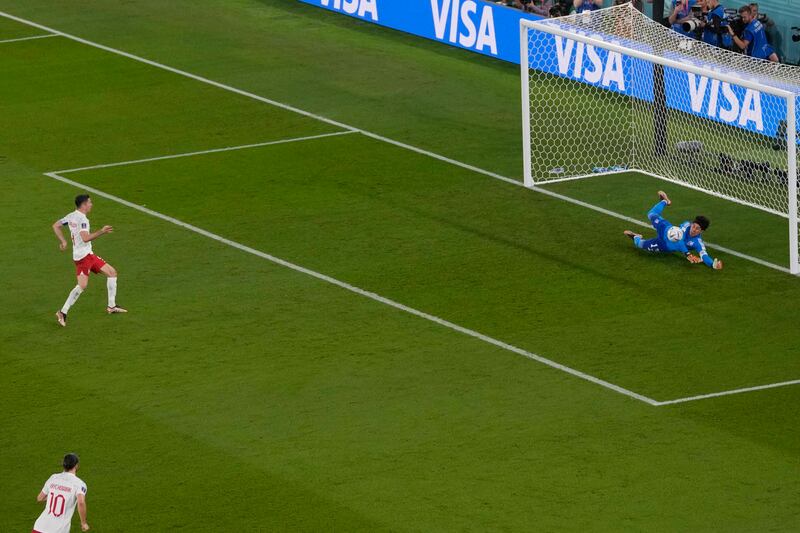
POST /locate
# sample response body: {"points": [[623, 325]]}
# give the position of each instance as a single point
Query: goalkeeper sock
{"points": [[637, 241], [74, 294], [657, 209]]}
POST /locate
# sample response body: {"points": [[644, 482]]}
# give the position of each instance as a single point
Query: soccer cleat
{"points": [[62, 319], [115, 309], [663, 196], [628, 233]]}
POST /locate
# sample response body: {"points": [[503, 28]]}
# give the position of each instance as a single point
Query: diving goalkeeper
{"points": [[670, 239]]}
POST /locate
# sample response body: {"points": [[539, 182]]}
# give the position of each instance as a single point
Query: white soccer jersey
{"points": [[77, 223], [62, 496]]}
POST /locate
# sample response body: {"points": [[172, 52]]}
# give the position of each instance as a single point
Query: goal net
{"points": [[612, 91]]}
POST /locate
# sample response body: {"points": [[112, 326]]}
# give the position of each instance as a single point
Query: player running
{"points": [[671, 238], [85, 260], [63, 492]]}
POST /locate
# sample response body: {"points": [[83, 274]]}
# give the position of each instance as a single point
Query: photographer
{"points": [[715, 24], [586, 5], [765, 21], [754, 38], [768, 23], [681, 13]]}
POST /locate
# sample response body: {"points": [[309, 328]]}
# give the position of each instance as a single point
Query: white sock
{"points": [[74, 294], [111, 283]]}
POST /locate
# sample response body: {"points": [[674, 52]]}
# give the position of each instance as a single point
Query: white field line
{"points": [[18, 39], [176, 71], [203, 152], [729, 392], [364, 132], [750, 258], [401, 145], [361, 292]]}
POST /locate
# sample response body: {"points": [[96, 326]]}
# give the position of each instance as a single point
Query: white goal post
{"points": [[612, 91]]}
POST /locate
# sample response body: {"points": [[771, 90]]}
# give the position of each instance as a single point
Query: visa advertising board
{"points": [[493, 30]]}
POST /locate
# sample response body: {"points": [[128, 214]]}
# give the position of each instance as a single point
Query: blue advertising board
{"points": [[482, 27], [493, 30]]}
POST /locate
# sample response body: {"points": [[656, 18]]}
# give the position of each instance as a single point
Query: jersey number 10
{"points": [[56, 504]]}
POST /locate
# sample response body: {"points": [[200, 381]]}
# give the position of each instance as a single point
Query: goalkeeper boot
{"points": [[637, 239], [663, 196]]}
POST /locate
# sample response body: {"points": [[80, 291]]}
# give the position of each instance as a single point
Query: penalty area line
{"points": [[31, 38], [203, 152], [729, 392], [367, 294]]}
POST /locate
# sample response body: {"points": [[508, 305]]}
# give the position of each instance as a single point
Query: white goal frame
{"points": [[526, 26]]}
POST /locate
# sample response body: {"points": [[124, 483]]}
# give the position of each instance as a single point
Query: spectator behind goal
{"points": [[682, 12], [586, 5], [537, 7]]}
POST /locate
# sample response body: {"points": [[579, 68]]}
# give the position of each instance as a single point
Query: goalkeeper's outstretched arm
{"points": [[709, 261]]}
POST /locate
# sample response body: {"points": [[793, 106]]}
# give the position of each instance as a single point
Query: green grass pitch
{"points": [[238, 394]]}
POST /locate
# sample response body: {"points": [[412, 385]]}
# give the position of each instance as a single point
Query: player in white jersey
{"points": [[63, 492], [85, 260]]}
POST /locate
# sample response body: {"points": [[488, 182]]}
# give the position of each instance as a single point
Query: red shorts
{"points": [[90, 263]]}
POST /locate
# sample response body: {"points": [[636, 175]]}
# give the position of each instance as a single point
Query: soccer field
{"points": [[345, 313]]}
